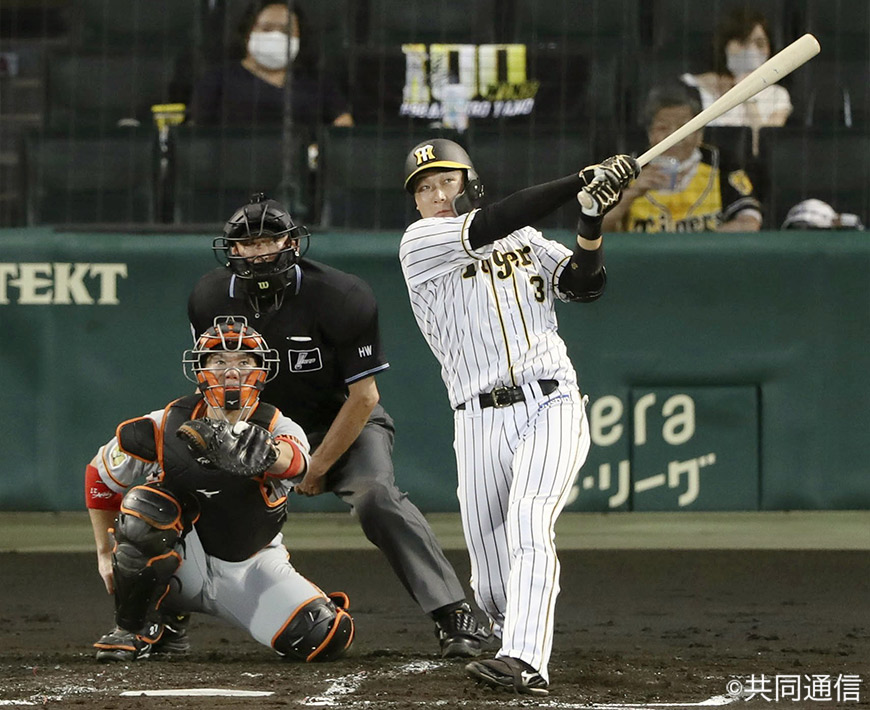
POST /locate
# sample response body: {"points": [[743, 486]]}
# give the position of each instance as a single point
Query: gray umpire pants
{"points": [[364, 479]]}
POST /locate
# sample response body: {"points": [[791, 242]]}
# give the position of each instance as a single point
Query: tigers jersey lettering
{"points": [[715, 193], [487, 314]]}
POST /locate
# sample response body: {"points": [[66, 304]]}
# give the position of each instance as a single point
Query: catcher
{"points": [[203, 532]]}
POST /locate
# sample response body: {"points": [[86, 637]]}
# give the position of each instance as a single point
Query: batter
{"points": [[483, 287]]}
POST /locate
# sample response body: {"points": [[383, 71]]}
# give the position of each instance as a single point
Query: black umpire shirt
{"points": [[325, 331]]}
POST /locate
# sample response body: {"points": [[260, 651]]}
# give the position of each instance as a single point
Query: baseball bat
{"points": [[778, 66]]}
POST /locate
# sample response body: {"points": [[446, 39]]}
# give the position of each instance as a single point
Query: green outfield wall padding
{"points": [[723, 371]]}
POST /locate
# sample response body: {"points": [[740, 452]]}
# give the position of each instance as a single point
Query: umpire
{"points": [[324, 323]]}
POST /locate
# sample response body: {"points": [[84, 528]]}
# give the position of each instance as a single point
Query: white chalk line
{"points": [[349, 684], [517, 701], [55, 695], [198, 692], [339, 693], [336, 695]]}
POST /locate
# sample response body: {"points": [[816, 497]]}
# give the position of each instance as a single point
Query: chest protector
{"points": [[237, 516]]}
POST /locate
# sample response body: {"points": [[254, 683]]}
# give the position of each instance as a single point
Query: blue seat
{"points": [[139, 26], [831, 93], [216, 171], [362, 175], [90, 91], [383, 23], [584, 24], [89, 179], [684, 29], [842, 28], [833, 166]]}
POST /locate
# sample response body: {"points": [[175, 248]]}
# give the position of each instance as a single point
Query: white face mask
{"points": [[744, 61], [269, 49]]}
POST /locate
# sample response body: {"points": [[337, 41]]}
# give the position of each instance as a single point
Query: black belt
{"points": [[506, 396]]}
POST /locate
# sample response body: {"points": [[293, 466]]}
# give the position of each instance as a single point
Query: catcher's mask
{"points": [[230, 334], [445, 155], [262, 218]]}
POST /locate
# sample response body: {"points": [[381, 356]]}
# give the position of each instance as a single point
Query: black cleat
{"points": [[174, 639], [509, 673], [459, 633], [124, 646]]}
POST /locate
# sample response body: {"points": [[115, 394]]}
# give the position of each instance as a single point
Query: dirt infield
{"points": [[633, 626]]}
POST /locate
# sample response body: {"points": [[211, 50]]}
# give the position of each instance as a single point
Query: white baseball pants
{"points": [[516, 468]]}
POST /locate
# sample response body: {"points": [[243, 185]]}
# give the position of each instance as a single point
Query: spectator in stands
{"points": [[816, 214], [251, 92], [692, 187], [741, 44]]}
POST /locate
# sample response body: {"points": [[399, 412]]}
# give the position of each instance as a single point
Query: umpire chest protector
{"points": [[326, 334], [237, 516]]}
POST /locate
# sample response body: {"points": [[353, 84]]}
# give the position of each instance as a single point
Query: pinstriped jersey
{"points": [[487, 314]]}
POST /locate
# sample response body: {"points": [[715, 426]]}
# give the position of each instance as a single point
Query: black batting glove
{"points": [[619, 170], [624, 167], [598, 197]]}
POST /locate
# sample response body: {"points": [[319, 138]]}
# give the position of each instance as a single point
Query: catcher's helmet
{"points": [[230, 334], [262, 217], [446, 155]]}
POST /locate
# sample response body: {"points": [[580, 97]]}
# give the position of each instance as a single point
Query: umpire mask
{"points": [[269, 271], [446, 155]]}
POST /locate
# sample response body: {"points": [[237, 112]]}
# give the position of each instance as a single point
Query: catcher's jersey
{"points": [[715, 193], [488, 314], [326, 334], [237, 515]]}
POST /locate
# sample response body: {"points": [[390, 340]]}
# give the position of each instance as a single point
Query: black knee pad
{"points": [[148, 527], [319, 630]]}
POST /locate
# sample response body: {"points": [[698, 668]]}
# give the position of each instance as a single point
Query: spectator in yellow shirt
{"points": [[691, 187]]}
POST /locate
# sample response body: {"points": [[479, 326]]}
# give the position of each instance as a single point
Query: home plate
{"points": [[200, 692]]}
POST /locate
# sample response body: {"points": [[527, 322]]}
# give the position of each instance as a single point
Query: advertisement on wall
{"points": [[678, 448]]}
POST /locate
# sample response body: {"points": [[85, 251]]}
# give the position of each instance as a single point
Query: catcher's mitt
{"points": [[241, 449]]}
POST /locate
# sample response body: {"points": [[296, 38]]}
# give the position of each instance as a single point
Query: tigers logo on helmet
{"points": [[445, 154], [425, 153]]}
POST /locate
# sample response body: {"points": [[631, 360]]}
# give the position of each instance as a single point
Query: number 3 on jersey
{"points": [[538, 283], [504, 268]]}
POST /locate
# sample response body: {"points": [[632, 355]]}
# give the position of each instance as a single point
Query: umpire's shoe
{"points": [[125, 646], [510, 673], [459, 633]]}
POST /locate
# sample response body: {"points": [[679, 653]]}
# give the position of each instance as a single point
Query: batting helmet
{"points": [[230, 334], [446, 155], [262, 217]]}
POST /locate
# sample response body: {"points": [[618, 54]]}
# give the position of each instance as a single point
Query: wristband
{"points": [[297, 463], [588, 244]]}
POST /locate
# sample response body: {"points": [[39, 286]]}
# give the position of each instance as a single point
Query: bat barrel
{"points": [[778, 66]]}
